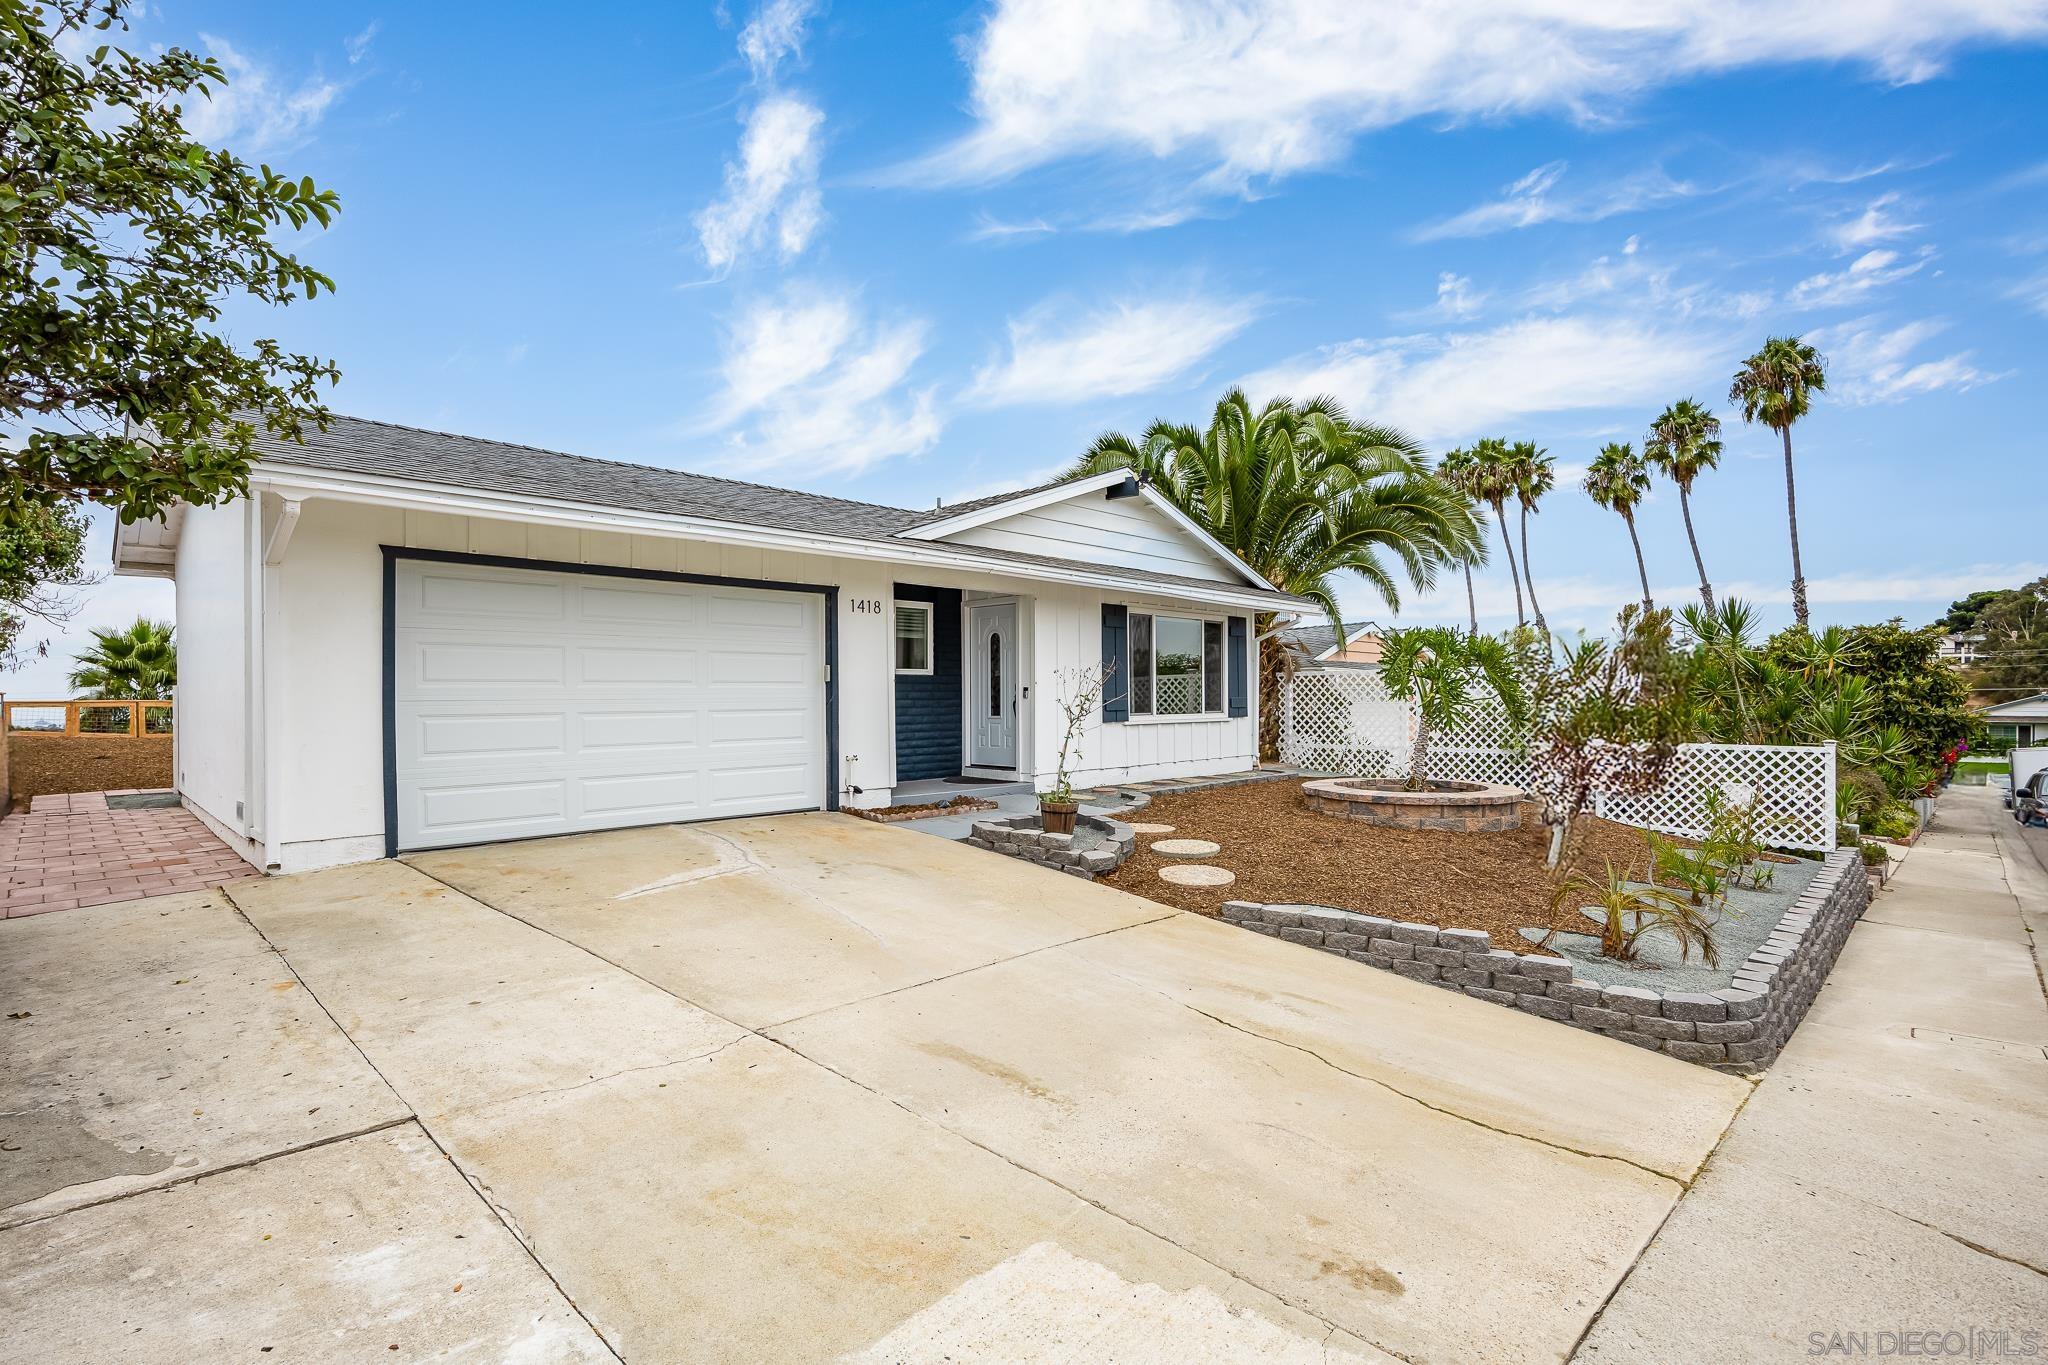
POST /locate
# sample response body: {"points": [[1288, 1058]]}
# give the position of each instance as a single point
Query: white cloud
{"points": [[1868, 363], [1256, 88], [1009, 483], [988, 228], [812, 384], [774, 33], [772, 190], [1131, 346], [1455, 298], [1530, 201], [1866, 274], [256, 110], [1454, 385], [1875, 224], [1637, 279], [358, 46], [2033, 293]]}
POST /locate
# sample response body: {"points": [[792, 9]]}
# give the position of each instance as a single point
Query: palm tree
{"points": [[1301, 493], [1535, 474], [1776, 387], [1619, 481], [1493, 482], [1684, 442], [1456, 471], [139, 663]]}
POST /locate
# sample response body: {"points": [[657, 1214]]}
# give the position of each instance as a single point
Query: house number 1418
{"points": [[868, 605]]}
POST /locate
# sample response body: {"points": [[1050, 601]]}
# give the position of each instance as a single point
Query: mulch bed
{"points": [[1283, 852]]}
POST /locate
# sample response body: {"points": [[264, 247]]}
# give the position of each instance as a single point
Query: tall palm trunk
{"points": [[1792, 515], [1418, 755], [1641, 572], [1471, 602], [1685, 509], [1509, 546], [1273, 673], [1529, 572]]}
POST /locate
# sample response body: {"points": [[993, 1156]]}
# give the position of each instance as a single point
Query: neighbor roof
{"points": [[2020, 706], [1319, 639], [385, 450]]}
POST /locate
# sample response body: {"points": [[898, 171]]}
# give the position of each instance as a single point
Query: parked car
{"points": [[2002, 781], [2030, 803]]}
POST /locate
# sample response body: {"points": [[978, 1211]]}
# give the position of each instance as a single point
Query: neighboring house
{"points": [[2023, 722], [1318, 646], [1959, 651], [403, 639]]}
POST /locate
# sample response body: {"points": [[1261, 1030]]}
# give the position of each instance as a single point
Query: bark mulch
{"points": [[1285, 853]]}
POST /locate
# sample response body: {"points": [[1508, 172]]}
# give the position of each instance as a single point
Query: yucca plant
{"points": [[1691, 870], [1629, 913]]}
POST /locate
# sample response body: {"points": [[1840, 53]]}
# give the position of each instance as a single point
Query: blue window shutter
{"points": [[1116, 693], [1239, 684]]}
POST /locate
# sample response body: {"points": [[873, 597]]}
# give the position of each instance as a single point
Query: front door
{"points": [[992, 685]]}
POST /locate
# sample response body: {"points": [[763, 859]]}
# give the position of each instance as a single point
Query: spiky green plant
{"points": [[136, 663], [1449, 677]]}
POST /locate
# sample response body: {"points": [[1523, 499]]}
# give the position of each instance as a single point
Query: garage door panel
{"points": [[468, 736], [603, 666], [610, 702], [469, 595], [646, 606]]}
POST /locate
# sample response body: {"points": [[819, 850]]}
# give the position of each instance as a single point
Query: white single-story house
{"points": [[2023, 721], [402, 639]]}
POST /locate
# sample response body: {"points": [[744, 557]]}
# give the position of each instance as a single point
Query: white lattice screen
{"points": [[1342, 721]]}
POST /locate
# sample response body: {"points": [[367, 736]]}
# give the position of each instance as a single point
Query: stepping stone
{"points": [[1186, 848], [1152, 829], [1197, 874]]}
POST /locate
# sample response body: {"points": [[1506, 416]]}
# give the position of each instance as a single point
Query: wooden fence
{"points": [[80, 746], [133, 719]]}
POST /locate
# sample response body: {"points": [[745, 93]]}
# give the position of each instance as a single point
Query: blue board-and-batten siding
{"points": [[928, 708]]}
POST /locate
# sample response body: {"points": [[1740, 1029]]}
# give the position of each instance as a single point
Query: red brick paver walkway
{"points": [[71, 851]]}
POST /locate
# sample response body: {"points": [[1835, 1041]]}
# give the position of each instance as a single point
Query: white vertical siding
{"points": [[212, 721], [1129, 532]]}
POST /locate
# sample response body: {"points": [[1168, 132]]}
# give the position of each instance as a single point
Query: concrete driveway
{"points": [[791, 1088]]}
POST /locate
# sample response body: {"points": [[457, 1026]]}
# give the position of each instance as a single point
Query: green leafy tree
{"points": [[2014, 647], [1535, 474], [1494, 481], [1776, 387], [1449, 678], [122, 239], [1303, 495], [1685, 442], [138, 663], [41, 554], [1904, 684], [1457, 472], [1962, 614], [1618, 480]]}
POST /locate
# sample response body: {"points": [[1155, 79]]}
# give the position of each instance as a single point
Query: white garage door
{"points": [[529, 703]]}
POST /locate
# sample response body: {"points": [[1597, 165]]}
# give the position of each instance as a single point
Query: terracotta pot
{"points": [[1057, 817]]}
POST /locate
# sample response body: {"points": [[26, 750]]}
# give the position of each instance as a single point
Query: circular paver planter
{"points": [[1463, 807], [1186, 848], [1197, 874], [1152, 829]]}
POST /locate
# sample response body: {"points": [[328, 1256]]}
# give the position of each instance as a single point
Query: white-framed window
{"points": [[1176, 665], [913, 642]]}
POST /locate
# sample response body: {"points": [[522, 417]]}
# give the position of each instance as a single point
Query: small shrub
{"points": [[1630, 913], [1873, 855], [1691, 870]]}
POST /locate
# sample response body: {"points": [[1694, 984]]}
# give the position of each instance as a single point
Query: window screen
{"points": [[913, 637]]}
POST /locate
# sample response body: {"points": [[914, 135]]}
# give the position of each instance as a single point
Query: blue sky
{"points": [[927, 251]]}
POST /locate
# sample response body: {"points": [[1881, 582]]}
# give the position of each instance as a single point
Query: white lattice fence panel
{"points": [[1343, 721], [1793, 786]]}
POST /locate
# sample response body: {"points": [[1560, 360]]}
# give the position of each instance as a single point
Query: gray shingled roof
{"points": [[358, 445], [1319, 639]]}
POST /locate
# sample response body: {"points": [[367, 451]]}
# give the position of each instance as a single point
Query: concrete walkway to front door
{"points": [[787, 1088], [1891, 1174]]}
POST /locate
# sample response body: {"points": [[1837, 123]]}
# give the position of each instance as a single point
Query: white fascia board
{"points": [[147, 549], [1045, 497], [2034, 702], [1369, 628], [430, 497], [1010, 507]]}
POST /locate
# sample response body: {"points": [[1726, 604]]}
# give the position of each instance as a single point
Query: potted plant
{"points": [[1057, 807]]}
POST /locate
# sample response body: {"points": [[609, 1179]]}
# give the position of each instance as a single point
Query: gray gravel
{"points": [[1744, 923]]}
